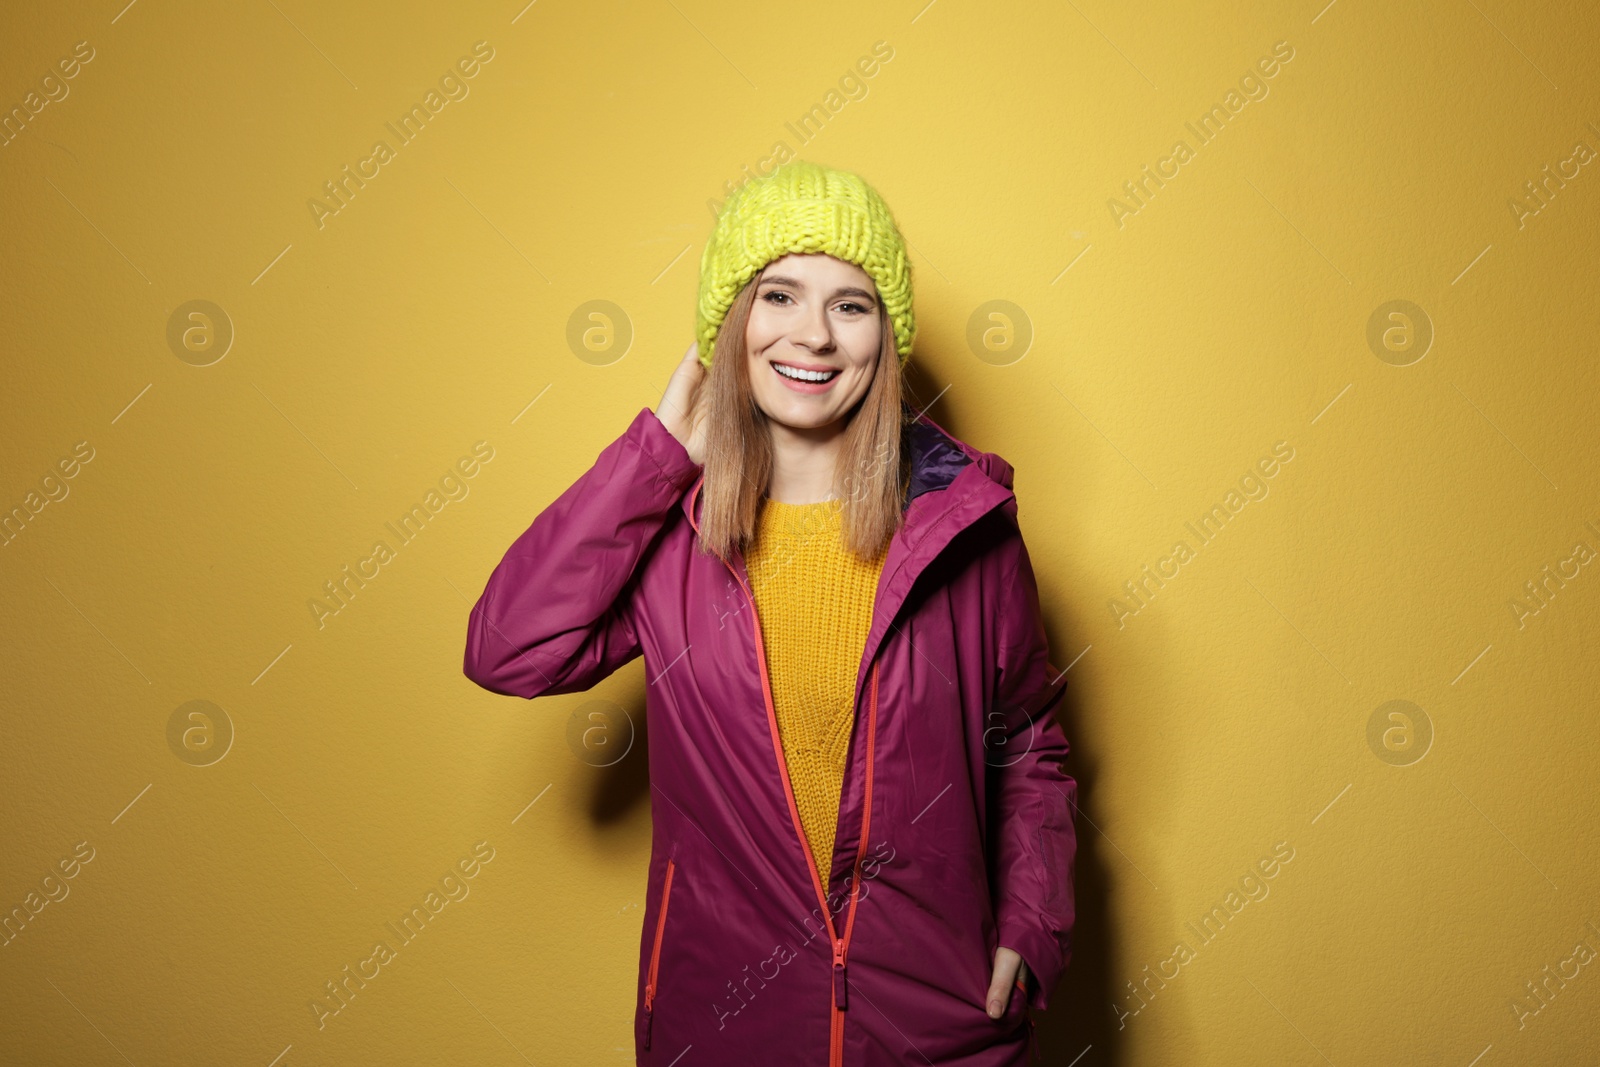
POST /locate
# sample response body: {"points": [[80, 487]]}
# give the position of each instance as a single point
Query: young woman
{"points": [[863, 839]]}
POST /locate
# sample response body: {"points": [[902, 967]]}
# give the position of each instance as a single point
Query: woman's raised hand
{"points": [[681, 409]]}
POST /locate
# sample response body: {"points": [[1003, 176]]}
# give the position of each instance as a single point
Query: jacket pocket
{"points": [[652, 979]]}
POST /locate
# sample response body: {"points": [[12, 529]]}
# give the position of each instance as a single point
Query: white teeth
{"points": [[804, 375]]}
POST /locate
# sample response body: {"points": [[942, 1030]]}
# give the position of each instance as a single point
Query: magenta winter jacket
{"points": [[955, 826]]}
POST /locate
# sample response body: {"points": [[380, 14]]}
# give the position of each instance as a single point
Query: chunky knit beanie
{"points": [[803, 207]]}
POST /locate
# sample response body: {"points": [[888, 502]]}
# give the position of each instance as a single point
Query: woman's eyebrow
{"points": [[849, 290]]}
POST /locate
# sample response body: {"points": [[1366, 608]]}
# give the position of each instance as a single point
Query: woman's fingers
{"points": [[676, 402], [1008, 968], [679, 404]]}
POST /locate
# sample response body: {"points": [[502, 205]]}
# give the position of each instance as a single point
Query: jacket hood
{"points": [[938, 457], [929, 440]]}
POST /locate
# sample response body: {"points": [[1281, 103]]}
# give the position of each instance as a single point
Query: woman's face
{"points": [[812, 313]]}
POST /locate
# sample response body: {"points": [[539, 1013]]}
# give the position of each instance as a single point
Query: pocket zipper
{"points": [[655, 952]]}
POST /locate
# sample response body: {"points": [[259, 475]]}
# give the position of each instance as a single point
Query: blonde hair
{"points": [[871, 476]]}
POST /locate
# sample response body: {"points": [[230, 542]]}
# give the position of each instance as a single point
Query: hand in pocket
{"points": [[1010, 979]]}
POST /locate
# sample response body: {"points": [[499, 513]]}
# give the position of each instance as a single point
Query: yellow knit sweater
{"points": [[814, 601]]}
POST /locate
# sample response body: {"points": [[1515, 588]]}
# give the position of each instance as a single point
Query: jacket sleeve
{"points": [[557, 614], [1035, 800]]}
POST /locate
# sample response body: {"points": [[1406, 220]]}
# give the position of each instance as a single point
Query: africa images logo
{"points": [[452, 83]]}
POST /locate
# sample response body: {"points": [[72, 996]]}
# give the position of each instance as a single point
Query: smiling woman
{"points": [[814, 342], [892, 610], [813, 330], [800, 399]]}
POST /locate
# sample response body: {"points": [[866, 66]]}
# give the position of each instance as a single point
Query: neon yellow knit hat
{"points": [[803, 207]]}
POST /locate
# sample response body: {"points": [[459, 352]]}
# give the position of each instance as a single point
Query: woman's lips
{"points": [[811, 388]]}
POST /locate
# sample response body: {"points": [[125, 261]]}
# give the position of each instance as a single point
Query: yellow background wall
{"points": [[1440, 860]]}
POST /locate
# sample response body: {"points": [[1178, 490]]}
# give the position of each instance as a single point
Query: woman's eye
{"points": [[778, 297]]}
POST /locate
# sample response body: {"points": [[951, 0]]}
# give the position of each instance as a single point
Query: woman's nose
{"points": [[814, 330]]}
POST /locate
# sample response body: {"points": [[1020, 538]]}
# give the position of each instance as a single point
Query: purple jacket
{"points": [[955, 829]]}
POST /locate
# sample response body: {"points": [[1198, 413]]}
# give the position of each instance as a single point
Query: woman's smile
{"points": [[806, 377]]}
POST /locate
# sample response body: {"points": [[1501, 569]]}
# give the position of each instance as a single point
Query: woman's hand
{"points": [[1008, 968], [680, 410]]}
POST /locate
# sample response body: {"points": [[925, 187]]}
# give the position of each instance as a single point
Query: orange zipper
{"points": [[655, 951], [841, 945]]}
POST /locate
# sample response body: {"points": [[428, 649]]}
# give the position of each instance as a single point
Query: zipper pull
{"points": [[647, 1026], [838, 974]]}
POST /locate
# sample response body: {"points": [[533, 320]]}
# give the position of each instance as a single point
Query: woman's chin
{"points": [[802, 416]]}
